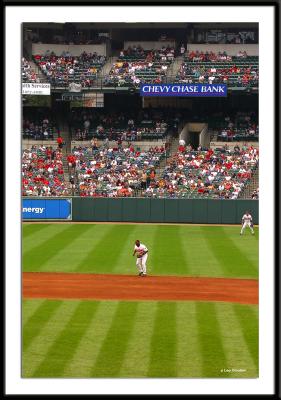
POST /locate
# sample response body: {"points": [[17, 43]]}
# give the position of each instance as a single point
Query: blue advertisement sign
{"points": [[46, 209], [184, 90]]}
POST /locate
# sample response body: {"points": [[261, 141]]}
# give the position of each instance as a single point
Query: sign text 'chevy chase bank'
{"points": [[194, 90]]}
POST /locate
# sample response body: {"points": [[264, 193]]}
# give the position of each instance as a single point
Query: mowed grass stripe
{"points": [[71, 254], [104, 253], [28, 308], [256, 236], [62, 349], [116, 341], [31, 229], [174, 250], [210, 339], [89, 347], [36, 323], [163, 345], [137, 356], [236, 348], [168, 253], [201, 260], [34, 259], [189, 357], [124, 262], [233, 261], [32, 241], [247, 243], [248, 320], [141, 339], [41, 344]]}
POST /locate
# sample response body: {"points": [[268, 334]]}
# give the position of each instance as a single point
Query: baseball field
{"points": [[87, 313]]}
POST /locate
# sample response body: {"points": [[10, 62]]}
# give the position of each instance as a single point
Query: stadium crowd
{"points": [[66, 68], [27, 72], [113, 172], [38, 129], [200, 67], [103, 171], [136, 65], [242, 126], [205, 174], [211, 56], [42, 172], [124, 127]]}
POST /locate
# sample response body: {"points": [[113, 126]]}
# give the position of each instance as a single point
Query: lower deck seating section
{"points": [[234, 71], [205, 174], [113, 172], [28, 73], [37, 125], [128, 171], [241, 126], [66, 69], [146, 125], [136, 65], [42, 172]]}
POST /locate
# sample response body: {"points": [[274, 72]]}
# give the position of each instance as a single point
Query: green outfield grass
{"points": [[74, 338], [215, 251], [139, 339]]}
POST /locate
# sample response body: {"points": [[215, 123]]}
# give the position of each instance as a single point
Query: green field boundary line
{"points": [[99, 275], [126, 223]]}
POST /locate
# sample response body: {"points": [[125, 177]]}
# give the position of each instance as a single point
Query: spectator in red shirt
{"points": [[60, 142]]}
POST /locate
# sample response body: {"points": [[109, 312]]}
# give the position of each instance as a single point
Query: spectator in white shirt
{"points": [[87, 124], [182, 49]]}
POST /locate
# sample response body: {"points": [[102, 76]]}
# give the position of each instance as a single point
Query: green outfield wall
{"points": [[163, 210]]}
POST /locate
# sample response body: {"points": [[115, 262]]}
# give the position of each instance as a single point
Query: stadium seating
{"points": [[136, 66], [146, 125], [27, 72], [238, 127], [235, 71], [37, 125], [66, 69], [205, 174], [113, 172], [42, 172]]}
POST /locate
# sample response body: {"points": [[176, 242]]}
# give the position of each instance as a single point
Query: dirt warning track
{"points": [[127, 287]]}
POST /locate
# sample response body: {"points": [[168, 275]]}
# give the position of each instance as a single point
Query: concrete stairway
{"points": [[38, 72], [66, 149], [174, 143], [107, 67], [174, 67]]}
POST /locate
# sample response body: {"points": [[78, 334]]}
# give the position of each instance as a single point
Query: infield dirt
{"points": [[128, 287]]}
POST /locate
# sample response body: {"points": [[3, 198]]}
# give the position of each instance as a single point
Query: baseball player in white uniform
{"points": [[247, 220], [141, 250]]}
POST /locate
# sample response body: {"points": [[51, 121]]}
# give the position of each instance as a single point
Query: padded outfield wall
{"points": [[138, 210], [163, 210]]}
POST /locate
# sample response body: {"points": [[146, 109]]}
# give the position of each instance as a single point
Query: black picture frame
{"points": [[277, 151]]}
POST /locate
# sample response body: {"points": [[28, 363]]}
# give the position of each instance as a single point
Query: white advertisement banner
{"points": [[36, 88]]}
